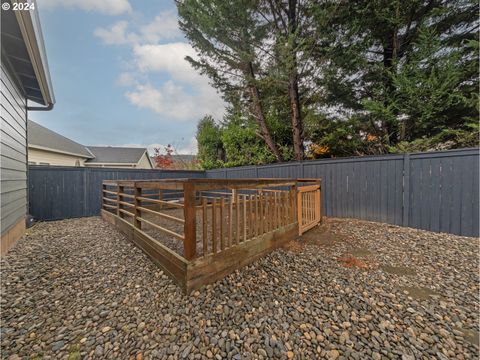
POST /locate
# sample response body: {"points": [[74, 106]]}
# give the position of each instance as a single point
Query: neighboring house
{"points": [[25, 76], [119, 157], [46, 147]]}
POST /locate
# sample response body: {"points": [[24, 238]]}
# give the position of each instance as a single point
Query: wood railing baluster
{"points": [[222, 221], [237, 215], [204, 226], [230, 223], [262, 215], [214, 225], [244, 217]]}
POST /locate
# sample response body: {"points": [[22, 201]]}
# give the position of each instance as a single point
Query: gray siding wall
{"points": [[437, 191], [13, 164]]}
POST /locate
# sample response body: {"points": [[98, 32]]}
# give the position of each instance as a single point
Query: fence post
{"points": [[302, 170], [406, 189], [190, 227], [85, 194], [256, 171]]}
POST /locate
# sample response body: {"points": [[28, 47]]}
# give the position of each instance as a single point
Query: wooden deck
{"points": [[200, 230]]}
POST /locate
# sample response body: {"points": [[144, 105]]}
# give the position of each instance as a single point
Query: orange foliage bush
{"points": [[319, 150]]}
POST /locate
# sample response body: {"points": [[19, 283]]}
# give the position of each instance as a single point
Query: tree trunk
{"points": [[390, 53], [390, 56], [259, 114], [297, 122]]}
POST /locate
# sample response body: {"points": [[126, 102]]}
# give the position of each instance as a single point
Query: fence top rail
{"points": [[209, 184]]}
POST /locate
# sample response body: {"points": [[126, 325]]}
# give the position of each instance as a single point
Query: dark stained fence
{"points": [[68, 192], [437, 191]]}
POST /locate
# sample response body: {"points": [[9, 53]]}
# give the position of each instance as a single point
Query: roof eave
{"points": [[30, 27], [39, 147], [107, 163]]}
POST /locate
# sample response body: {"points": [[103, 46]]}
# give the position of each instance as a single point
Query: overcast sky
{"points": [[119, 74]]}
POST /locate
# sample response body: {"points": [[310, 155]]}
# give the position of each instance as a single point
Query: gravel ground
{"points": [[346, 290]]}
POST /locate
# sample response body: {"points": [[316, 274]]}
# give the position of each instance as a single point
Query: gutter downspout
{"points": [[40, 108], [29, 221]]}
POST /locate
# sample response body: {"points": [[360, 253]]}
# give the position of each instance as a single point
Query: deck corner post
{"points": [[104, 187], [189, 210], [137, 203], [293, 202]]}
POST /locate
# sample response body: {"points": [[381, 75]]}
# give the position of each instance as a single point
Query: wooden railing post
{"points": [[137, 202], [190, 227], [293, 210], [299, 205], [119, 198], [104, 187], [318, 199]]}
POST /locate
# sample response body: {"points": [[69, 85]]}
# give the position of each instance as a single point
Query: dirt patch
{"points": [[351, 261], [321, 235], [420, 293], [360, 252], [472, 336], [398, 270], [294, 246]]}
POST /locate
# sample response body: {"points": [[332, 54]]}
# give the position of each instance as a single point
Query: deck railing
{"points": [[202, 218]]}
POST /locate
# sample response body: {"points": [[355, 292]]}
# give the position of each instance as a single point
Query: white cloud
{"points": [[190, 148], [184, 95], [163, 27], [126, 79], [109, 7], [174, 102], [169, 58], [172, 99], [116, 34]]}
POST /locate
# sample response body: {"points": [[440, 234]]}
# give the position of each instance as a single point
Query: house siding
{"points": [[43, 157], [13, 164], [113, 166], [144, 163]]}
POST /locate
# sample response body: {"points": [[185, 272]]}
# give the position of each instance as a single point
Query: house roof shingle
{"points": [[116, 155], [45, 138]]}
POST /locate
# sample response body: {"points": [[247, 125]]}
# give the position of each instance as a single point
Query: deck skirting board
{"points": [[191, 275]]}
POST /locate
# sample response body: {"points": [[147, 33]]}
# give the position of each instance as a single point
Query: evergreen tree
{"points": [[387, 55], [210, 147], [226, 36]]}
